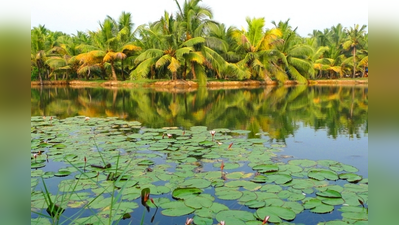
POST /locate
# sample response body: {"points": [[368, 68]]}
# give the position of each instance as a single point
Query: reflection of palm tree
{"points": [[277, 111]]}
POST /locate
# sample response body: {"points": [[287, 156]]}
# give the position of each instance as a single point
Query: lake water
{"points": [[318, 122]]}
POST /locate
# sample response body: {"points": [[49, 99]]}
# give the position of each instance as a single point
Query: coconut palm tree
{"points": [[354, 41], [113, 42], [257, 48], [296, 56], [39, 48]]}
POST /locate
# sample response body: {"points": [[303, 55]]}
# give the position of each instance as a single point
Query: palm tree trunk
{"points": [[123, 74], [354, 61], [40, 75], [113, 71], [152, 73], [193, 71], [266, 76], [184, 71]]}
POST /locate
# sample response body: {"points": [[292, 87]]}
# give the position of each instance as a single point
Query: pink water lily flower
{"points": [[189, 221], [265, 220], [222, 223]]}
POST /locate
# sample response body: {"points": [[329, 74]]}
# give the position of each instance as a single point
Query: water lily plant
{"points": [[212, 133]]}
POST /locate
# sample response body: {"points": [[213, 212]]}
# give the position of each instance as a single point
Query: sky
{"points": [[81, 15]]}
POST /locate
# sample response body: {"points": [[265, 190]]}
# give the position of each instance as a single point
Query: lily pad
{"points": [[196, 182], [321, 174], [279, 178], [176, 208], [198, 220], [329, 194], [350, 177], [198, 202], [182, 193], [62, 173], [263, 168], [227, 194], [276, 213], [234, 216], [302, 162]]}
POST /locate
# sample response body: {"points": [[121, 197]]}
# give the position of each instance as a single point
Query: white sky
{"points": [[83, 15]]}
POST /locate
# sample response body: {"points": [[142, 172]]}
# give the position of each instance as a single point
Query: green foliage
{"points": [[222, 52]]}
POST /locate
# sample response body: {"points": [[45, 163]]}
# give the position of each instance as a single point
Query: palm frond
{"points": [[296, 75], [174, 65], [364, 61], [301, 51], [217, 44], [255, 30], [163, 60], [280, 75], [130, 48], [56, 62], [193, 41], [300, 64], [195, 57], [232, 70], [150, 53], [143, 68], [183, 51]]}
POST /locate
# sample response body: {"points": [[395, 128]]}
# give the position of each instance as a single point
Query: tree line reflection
{"points": [[280, 111]]}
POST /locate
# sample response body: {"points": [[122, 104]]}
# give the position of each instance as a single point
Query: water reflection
{"points": [[280, 111]]}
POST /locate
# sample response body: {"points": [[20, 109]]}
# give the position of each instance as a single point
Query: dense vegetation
{"points": [[188, 44]]}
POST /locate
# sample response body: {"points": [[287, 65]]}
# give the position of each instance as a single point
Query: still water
{"points": [[319, 122]]}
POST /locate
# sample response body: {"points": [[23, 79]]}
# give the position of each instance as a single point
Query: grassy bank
{"points": [[192, 84]]}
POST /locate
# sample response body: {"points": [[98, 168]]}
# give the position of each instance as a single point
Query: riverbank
{"points": [[191, 84]]}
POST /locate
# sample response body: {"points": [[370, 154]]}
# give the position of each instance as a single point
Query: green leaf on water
{"points": [[331, 201], [279, 178], [62, 173], [198, 202], [329, 194], [234, 216], [196, 182], [350, 177], [255, 204], [271, 188], [182, 193], [176, 208], [263, 168], [321, 174], [227, 193], [198, 220], [274, 212], [302, 162], [322, 208]]}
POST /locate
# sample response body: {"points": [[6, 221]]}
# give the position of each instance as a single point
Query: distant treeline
{"points": [[188, 44]]}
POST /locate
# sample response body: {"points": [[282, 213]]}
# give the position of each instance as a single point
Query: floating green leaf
{"points": [[198, 202], [263, 168], [279, 178], [302, 162], [321, 174], [234, 216], [176, 208], [276, 213], [350, 177], [182, 193], [329, 194]]}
